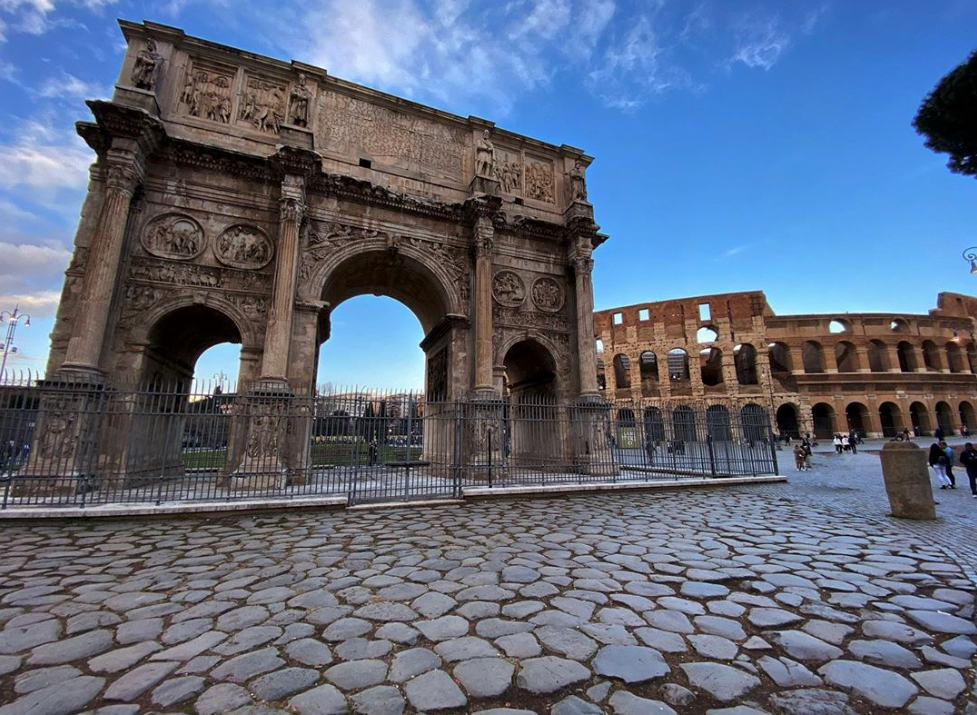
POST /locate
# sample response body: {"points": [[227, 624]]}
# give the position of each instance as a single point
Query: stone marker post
{"points": [[907, 481]]}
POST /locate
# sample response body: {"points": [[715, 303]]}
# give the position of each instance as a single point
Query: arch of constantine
{"points": [[237, 198]]}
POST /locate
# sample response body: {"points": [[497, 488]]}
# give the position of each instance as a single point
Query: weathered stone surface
{"points": [[484, 677], [723, 682], [381, 700], [815, 701], [224, 697], [283, 683], [444, 628], [884, 653], [519, 645], [803, 646], [788, 673], [549, 674], [575, 706], [945, 683], [938, 622], [465, 648], [624, 703], [137, 681], [409, 663], [323, 700], [309, 651], [56, 699], [71, 649], [177, 690], [632, 664], [433, 691], [566, 641], [882, 687], [357, 674], [772, 617], [246, 666]]}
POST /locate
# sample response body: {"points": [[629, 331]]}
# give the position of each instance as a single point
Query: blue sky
{"points": [[739, 144]]}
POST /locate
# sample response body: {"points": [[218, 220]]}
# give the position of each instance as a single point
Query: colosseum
{"points": [[876, 373]]}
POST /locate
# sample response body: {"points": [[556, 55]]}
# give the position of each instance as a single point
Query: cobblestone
{"points": [[748, 598]]}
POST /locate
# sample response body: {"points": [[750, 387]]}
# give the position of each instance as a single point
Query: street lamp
{"points": [[8, 346], [970, 254]]}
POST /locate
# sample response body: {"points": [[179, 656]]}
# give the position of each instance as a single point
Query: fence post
{"points": [[712, 456], [773, 446]]}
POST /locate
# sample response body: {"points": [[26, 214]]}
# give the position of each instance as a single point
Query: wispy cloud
{"points": [[67, 86], [735, 251], [760, 41], [41, 156], [36, 17]]}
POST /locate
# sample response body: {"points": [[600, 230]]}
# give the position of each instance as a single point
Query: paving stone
{"points": [[43, 677], [676, 695], [719, 626], [566, 641], [91, 620], [244, 667], [549, 674], [703, 589], [484, 677], [362, 649], [898, 632], [834, 633], [225, 697], [520, 574], [803, 646], [433, 691], [945, 683], [715, 647], [346, 628], [410, 663], [881, 687], [738, 710], [938, 622], [323, 700], [756, 643], [485, 593], [243, 617], [632, 664], [464, 649], [886, 653], [138, 631], [497, 627], [309, 651], [177, 690], [122, 658], [283, 683], [381, 700], [625, 703], [137, 681], [357, 674], [925, 705], [386, 611], [788, 673], [575, 706], [814, 701], [398, 633], [598, 692], [961, 647], [8, 664], [662, 640], [79, 647], [245, 640], [193, 648], [772, 617], [444, 628], [667, 620], [723, 682], [57, 699], [433, 604], [504, 711]]}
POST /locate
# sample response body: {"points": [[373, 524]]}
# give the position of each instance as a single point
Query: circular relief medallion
{"points": [[173, 236], [547, 294], [508, 289], [244, 246]]}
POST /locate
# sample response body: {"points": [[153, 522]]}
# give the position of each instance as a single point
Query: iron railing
{"points": [[81, 444]]}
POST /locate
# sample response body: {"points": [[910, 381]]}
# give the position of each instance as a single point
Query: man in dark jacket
{"points": [[968, 458]]}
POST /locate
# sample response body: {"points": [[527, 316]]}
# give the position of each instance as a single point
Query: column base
{"points": [[485, 435], [591, 446], [265, 413]]}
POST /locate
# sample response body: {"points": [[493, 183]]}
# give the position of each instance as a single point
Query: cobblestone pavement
{"points": [[853, 483], [730, 602]]}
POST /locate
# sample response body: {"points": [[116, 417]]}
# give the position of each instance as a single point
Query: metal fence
{"points": [[78, 444]]}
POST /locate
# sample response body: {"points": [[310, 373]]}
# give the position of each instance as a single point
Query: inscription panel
{"points": [[351, 126]]}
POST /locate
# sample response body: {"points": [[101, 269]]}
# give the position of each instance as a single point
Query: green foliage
{"points": [[948, 118]]}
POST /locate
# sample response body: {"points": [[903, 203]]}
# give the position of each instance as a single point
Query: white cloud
{"points": [[67, 86], [41, 157], [31, 275], [760, 41], [38, 305], [34, 17]]}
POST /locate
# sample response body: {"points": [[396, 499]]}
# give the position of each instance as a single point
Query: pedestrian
{"points": [[836, 440], [939, 434], [905, 435], [968, 458], [937, 462], [853, 440], [948, 452], [374, 452], [845, 443], [799, 457], [807, 454]]}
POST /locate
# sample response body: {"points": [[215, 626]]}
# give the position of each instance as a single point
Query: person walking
{"points": [[853, 440], [968, 458], [939, 434], [837, 443], [799, 457], [948, 452], [937, 462]]}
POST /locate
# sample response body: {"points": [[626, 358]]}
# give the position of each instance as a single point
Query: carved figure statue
{"points": [[508, 288], [298, 108], [263, 441], [146, 66], [578, 182], [485, 156], [263, 105], [208, 96], [509, 175], [539, 182]]}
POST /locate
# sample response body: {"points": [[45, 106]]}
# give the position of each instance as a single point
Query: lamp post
{"points": [[970, 255], [768, 378], [8, 346]]}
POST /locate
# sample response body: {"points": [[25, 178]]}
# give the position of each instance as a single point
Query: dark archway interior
{"points": [[890, 416], [823, 416], [529, 368], [180, 337], [920, 418], [857, 416], [394, 275], [787, 423]]}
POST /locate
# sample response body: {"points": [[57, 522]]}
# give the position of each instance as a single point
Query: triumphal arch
{"points": [[237, 198]]}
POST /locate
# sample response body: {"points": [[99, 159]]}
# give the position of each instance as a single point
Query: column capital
{"points": [[122, 175], [291, 209]]}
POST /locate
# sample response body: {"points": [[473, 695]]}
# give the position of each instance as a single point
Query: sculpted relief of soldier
{"points": [[173, 236], [208, 95], [508, 288], [485, 156], [547, 294], [263, 105], [146, 67], [539, 181], [578, 182]]}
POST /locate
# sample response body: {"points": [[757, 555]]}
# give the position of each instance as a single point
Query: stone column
{"points": [[484, 243], [123, 171], [893, 351], [278, 335], [861, 354], [583, 267]]}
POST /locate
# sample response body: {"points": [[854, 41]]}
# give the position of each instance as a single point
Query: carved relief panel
{"points": [[350, 126], [548, 294], [262, 104], [508, 170], [243, 246], [173, 236], [508, 288], [206, 91], [539, 179]]}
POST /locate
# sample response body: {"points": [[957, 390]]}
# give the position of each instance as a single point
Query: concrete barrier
{"points": [[907, 481]]}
